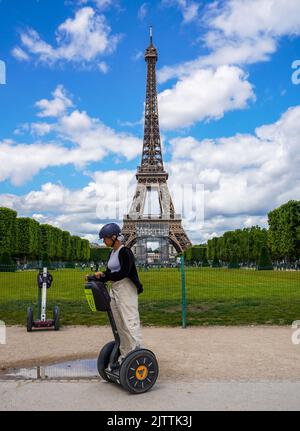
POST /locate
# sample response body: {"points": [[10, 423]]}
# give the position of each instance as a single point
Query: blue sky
{"points": [[72, 107]]}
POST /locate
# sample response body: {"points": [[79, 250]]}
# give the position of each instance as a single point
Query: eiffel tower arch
{"points": [[141, 224]]}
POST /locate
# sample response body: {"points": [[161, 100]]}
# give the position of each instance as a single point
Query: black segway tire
{"points": [[103, 359], [56, 318], [139, 371], [29, 319]]}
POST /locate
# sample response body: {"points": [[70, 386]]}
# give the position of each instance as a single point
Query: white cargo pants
{"points": [[124, 306]]}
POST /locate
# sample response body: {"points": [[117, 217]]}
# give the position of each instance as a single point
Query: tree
{"points": [[6, 263], [58, 241], [204, 258], [8, 234], [25, 238], [66, 246], [245, 243], [28, 231], [85, 250], [47, 241], [193, 253], [233, 264], [99, 254], [76, 248], [46, 261], [216, 262], [264, 262], [283, 238]]}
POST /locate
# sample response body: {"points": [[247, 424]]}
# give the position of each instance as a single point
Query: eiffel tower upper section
{"points": [[152, 161]]}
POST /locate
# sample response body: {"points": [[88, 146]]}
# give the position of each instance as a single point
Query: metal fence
{"points": [[180, 296]]}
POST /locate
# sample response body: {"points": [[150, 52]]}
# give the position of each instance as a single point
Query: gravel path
{"points": [[196, 353]]}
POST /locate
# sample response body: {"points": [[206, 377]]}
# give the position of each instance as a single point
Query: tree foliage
{"points": [[265, 262], [245, 244], [25, 238], [284, 231], [8, 233], [100, 254]]}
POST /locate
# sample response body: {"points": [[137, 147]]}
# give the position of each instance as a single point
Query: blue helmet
{"points": [[109, 230]]}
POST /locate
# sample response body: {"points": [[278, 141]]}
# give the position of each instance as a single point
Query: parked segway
{"points": [[44, 281], [139, 370]]}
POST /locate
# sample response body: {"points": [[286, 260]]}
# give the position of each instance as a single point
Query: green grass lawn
{"points": [[213, 296]]}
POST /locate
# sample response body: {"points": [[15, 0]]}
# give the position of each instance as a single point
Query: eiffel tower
{"points": [[138, 226]]}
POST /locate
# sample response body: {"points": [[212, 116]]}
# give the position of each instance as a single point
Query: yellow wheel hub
{"points": [[141, 372]]}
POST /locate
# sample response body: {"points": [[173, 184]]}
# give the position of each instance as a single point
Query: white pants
{"points": [[124, 306]]}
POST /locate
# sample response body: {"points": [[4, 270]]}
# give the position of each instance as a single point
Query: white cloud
{"points": [[245, 175], [95, 139], [232, 53], [253, 27], [142, 12], [57, 106], [103, 67], [188, 8], [239, 32], [255, 18], [20, 162], [205, 94], [20, 54], [82, 139], [80, 211], [79, 40], [100, 4], [137, 55], [40, 129]]}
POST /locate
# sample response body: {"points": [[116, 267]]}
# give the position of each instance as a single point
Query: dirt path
{"points": [[198, 353]]}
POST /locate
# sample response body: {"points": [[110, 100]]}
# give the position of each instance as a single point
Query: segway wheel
{"points": [[103, 359], [29, 319], [139, 371], [56, 318]]}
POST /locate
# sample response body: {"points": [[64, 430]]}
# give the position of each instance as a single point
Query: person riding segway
{"points": [[125, 360]]}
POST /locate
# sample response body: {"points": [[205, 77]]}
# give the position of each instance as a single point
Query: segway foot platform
{"points": [[40, 324], [43, 323]]}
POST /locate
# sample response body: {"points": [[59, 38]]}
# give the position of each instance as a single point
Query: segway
{"points": [[44, 281], [139, 370]]}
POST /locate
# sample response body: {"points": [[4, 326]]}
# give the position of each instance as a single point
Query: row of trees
{"points": [[199, 254], [243, 245], [26, 238], [254, 244]]}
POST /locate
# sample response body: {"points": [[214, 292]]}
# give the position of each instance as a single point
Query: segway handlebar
{"points": [[96, 294]]}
